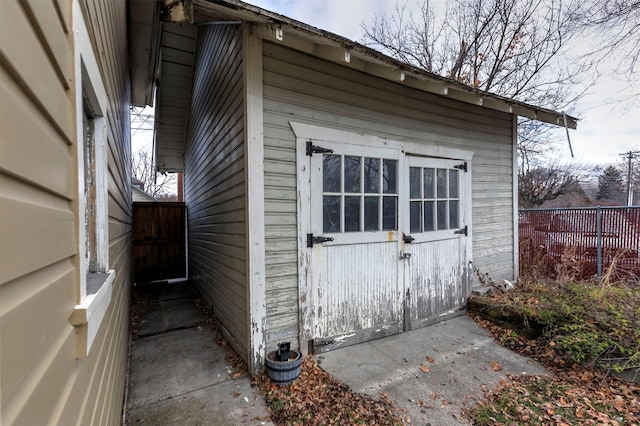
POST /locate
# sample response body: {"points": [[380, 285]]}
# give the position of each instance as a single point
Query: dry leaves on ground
{"points": [[575, 395], [316, 398]]}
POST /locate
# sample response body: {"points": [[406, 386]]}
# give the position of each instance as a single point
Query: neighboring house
{"points": [[334, 194], [65, 210], [138, 194]]}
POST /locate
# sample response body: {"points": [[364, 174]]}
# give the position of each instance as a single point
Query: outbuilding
{"points": [[334, 194]]}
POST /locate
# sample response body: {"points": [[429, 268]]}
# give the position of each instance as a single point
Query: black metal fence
{"points": [[588, 240]]}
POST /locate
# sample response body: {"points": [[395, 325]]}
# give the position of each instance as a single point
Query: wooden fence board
{"points": [[159, 241]]}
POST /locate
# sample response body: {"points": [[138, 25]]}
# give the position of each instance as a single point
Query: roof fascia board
{"points": [[332, 47]]}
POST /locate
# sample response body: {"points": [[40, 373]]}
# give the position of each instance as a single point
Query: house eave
{"points": [[144, 37], [302, 37], [332, 47]]}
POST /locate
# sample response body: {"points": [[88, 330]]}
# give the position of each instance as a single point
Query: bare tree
{"points": [[513, 48], [543, 183], [508, 47], [158, 185], [617, 26]]}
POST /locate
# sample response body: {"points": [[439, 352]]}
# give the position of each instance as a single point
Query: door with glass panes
{"points": [[436, 276], [386, 250], [355, 270]]}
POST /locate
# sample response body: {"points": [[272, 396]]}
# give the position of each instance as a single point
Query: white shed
{"points": [[334, 194]]}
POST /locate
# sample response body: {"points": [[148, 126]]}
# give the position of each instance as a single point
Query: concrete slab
{"points": [[231, 402], [174, 363], [458, 356], [178, 373], [169, 314]]}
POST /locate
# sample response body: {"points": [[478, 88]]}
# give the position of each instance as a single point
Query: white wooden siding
{"points": [[301, 88], [215, 180], [42, 382]]}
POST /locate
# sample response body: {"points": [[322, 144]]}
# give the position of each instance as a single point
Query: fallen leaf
{"points": [[431, 359], [495, 366], [425, 368]]}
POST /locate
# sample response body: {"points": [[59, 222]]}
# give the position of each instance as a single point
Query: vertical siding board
{"points": [[214, 180], [314, 91]]}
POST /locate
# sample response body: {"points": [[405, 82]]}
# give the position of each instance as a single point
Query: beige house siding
{"points": [[41, 380], [215, 180], [301, 88]]}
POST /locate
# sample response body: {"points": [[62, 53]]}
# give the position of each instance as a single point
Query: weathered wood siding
{"points": [[41, 381], [215, 180], [298, 87]]}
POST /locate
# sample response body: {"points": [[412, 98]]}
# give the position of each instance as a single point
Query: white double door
{"points": [[388, 242]]}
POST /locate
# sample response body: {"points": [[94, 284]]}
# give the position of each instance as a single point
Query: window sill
{"points": [[88, 315]]}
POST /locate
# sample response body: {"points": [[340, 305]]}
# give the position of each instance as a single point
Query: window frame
{"points": [[95, 281]]}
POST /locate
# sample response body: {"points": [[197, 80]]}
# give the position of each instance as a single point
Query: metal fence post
{"points": [[599, 240]]}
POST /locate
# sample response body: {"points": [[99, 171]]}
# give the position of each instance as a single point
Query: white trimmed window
{"points": [[95, 277]]}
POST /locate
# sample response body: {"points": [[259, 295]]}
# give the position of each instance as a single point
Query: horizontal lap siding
{"points": [[298, 87], [40, 380], [215, 180]]}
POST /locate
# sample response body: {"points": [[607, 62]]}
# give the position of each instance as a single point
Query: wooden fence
{"points": [[588, 240], [159, 242]]}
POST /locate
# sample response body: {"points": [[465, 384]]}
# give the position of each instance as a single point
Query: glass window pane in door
{"points": [[454, 217], [415, 216], [442, 214], [429, 182], [441, 183], [371, 213], [331, 213], [372, 175], [429, 216], [453, 184], [351, 174], [331, 175], [389, 213], [414, 182], [352, 214], [390, 176]]}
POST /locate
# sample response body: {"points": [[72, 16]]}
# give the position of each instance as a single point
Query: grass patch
{"points": [[588, 331], [531, 400], [590, 323]]}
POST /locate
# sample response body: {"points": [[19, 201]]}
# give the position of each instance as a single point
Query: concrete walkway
{"points": [[179, 376], [433, 372], [178, 373]]}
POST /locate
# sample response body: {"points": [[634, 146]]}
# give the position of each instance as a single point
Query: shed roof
{"points": [[178, 49]]}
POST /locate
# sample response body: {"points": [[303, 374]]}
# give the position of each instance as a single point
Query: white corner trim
{"points": [[88, 315], [309, 131], [255, 221]]}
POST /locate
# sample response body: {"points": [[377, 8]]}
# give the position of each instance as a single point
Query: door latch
{"points": [[408, 239], [311, 240], [404, 255]]}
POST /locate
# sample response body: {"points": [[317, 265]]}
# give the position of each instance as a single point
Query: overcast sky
{"points": [[604, 131]]}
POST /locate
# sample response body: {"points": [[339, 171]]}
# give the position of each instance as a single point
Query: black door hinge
{"points": [[314, 149], [463, 231], [311, 240], [408, 239], [462, 166]]}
